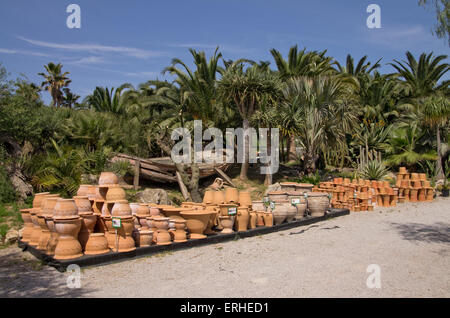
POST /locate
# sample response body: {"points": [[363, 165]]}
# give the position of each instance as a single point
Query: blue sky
{"points": [[132, 41]]}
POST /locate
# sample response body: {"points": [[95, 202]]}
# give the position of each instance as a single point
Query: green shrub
{"points": [[374, 170], [7, 192]]}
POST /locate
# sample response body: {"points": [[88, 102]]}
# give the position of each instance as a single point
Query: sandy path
{"points": [[410, 243]]}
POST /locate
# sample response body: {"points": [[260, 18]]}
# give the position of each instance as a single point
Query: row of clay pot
{"points": [[230, 195], [315, 202]]}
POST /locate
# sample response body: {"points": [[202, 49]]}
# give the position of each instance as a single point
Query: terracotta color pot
{"points": [[154, 211], [68, 228], [115, 193], [422, 176], [415, 176], [301, 210], [53, 241], [288, 186], [65, 208], [196, 222], [245, 199], [386, 200], [108, 178], [406, 194], [402, 170], [208, 198], [227, 224], [268, 218], [260, 218], [38, 199], [125, 234], [304, 187], [242, 219], [224, 208], [393, 200], [337, 180], [144, 238], [231, 195], [121, 208], [413, 195], [258, 206], [180, 232], [318, 203], [218, 197], [277, 196], [88, 221], [83, 190], [97, 244], [279, 213], [83, 204], [134, 207], [421, 196], [291, 210], [28, 225], [253, 219], [174, 212]]}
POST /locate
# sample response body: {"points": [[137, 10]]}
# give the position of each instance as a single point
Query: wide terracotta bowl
{"points": [[196, 222], [174, 212]]}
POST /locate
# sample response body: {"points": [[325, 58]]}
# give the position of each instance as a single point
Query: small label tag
{"points": [[272, 205], [232, 211], [295, 201], [116, 223]]}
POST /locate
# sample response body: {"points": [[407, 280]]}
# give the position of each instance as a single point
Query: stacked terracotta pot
{"points": [[413, 187]]}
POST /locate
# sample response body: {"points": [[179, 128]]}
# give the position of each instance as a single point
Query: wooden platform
{"points": [[111, 257]]}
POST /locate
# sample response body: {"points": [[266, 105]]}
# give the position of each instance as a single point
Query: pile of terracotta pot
{"points": [[413, 187], [294, 201]]}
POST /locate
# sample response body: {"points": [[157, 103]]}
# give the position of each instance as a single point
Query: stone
{"points": [[12, 236], [157, 196]]}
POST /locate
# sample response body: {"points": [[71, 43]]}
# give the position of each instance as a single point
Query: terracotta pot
{"points": [[154, 211], [258, 206], [152, 227], [279, 213], [227, 224], [83, 190], [231, 195], [301, 210], [393, 200], [260, 218], [253, 219], [109, 231], [97, 244], [421, 196], [67, 228], [121, 208], [224, 208], [218, 197], [413, 195], [415, 176], [277, 196], [65, 208], [268, 218], [115, 193], [288, 186], [125, 239], [245, 199], [144, 237], [108, 178], [134, 207], [242, 219], [88, 221], [196, 222], [38, 199], [406, 194], [385, 200], [402, 170], [174, 212], [430, 194], [304, 187], [337, 180], [208, 198], [53, 241], [28, 225], [83, 204], [185, 205], [180, 232], [291, 210], [91, 192], [318, 203], [161, 223], [422, 176]]}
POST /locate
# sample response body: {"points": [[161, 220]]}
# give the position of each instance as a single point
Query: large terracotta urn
{"points": [[258, 206], [291, 210], [227, 224], [68, 246], [162, 226], [225, 208], [277, 196], [38, 197], [115, 193], [260, 218], [231, 195], [83, 190], [28, 225], [124, 238], [196, 222], [108, 178], [180, 231], [318, 203], [47, 206], [88, 221], [142, 213], [143, 237], [83, 204], [279, 213], [121, 208], [245, 199], [242, 219], [97, 244]]}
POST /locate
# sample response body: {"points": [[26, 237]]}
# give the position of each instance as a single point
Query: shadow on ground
{"points": [[430, 233], [22, 275]]}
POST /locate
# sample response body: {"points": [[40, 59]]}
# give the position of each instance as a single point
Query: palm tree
{"points": [[361, 69], [245, 89], [436, 115], [55, 81], [110, 100], [70, 99], [29, 91]]}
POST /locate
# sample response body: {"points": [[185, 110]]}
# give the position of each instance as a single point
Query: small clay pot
{"points": [[253, 219], [208, 198], [260, 218], [279, 213], [83, 190], [68, 246], [227, 223], [245, 199], [180, 232], [144, 237], [268, 218], [242, 220], [218, 197]]}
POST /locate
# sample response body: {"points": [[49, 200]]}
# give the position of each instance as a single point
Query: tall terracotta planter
{"points": [[208, 198], [242, 220], [218, 197], [279, 213], [68, 246], [28, 225], [413, 194], [245, 199], [318, 203], [231, 195]]}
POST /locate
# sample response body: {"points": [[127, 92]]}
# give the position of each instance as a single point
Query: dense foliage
{"points": [[328, 114]]}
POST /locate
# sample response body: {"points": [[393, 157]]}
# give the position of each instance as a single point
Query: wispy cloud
{"points": [[398, 37], [97, 48], [23, 52], [208, 46], [87, 60]]}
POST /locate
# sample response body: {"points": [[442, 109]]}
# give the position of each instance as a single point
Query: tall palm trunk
{"points": [[292, 152], [439, 170], [244, 167]]}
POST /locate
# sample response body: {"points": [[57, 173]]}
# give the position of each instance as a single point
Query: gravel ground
{"points": [[410, 243]]}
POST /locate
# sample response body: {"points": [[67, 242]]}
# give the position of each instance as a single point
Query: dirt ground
{"points": [[409, 244]]}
